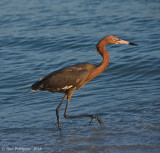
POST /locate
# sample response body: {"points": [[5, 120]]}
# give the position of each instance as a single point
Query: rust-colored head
{"points": [[112, 40]]}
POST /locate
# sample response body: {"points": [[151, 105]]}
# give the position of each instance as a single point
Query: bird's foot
{"points": [[59, 126], [97, 118]]}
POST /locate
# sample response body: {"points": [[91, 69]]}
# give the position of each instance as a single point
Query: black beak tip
{"points": [[130, 43]]}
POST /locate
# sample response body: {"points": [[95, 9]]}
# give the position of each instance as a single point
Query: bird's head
{"points": [[112, 40]]}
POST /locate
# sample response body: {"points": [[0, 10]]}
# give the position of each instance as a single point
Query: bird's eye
{"points": [[114, 40]]}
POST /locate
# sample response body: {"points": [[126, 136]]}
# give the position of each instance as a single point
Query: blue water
{"points": [[38, 37]]}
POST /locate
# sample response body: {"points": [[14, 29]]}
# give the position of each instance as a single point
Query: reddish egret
{"points": [[71, 78]]}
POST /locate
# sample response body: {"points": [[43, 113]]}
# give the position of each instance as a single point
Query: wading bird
{"points": [[71, 78]]}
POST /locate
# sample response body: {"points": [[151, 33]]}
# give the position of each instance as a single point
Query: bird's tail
{"points": [[36, 85]]}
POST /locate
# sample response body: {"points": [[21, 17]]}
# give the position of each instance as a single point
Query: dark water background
{"points": [[38, 37]]}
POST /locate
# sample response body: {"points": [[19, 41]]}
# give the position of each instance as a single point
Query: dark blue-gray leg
{"points": [[57, 111], [80, 116]]}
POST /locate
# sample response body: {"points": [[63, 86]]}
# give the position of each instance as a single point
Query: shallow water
{"points": [[38, 37]]}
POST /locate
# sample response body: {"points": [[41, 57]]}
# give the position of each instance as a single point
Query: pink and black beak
{"points": [[130, 43], [125, 42]]}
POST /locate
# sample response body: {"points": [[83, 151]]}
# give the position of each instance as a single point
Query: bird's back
{"points": [[61, 80]]}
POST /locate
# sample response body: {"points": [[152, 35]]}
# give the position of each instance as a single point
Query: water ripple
{"points": [[37, 38]]}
